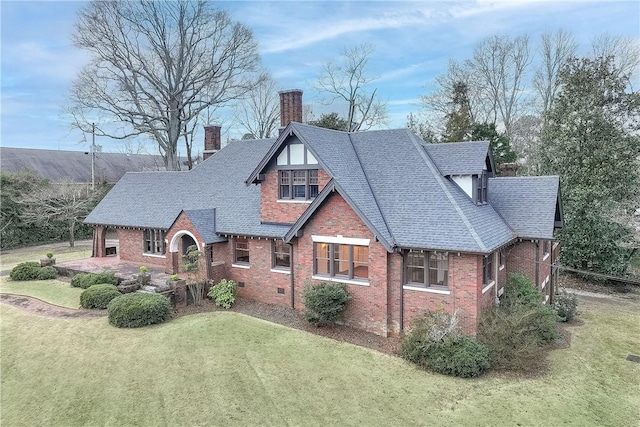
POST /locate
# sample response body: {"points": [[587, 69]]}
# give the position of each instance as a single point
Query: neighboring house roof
{"points": [[528, 204], [61, 165], [460, 158], [397, 184]]}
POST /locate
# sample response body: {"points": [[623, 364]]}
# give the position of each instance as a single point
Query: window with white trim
{"points": [[426, 268], [154, 241], [545, 247], [341, 261], [281, 258], [241, 251]]}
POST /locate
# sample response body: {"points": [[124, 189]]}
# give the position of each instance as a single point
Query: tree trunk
{"points": [[72, 229]]}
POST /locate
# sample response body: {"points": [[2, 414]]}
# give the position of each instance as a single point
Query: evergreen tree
{"points": [[459, 123], [591, 140], [331, 121], [499, 143]]}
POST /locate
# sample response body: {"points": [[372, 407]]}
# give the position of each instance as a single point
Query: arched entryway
{"points": [[185, 242], [178, 247]]}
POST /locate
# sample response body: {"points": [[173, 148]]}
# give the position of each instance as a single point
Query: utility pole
{"points": [[93, 156]]}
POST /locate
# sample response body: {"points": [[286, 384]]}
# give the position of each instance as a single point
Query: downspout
{"points": [[496, 268], [537, 263], [293, 298], [402, 274]]}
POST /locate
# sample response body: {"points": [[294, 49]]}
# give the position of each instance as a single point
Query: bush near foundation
{"points": [[324, 302], [47, 273], [85, 280], [435, 344], [25, 271], [518, 330], [223, 293], [566, 306], [138, 309], [98, 296]]}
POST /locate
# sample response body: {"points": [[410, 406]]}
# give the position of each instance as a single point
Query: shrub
{"points": [[566, 306], [435, 344], [223, 293], [49, 254], [85, 280], [25, 271], [47, 273], [459, 357], [143, 269], [324, 302], [138, 309], [98, 296], [517, 330]]}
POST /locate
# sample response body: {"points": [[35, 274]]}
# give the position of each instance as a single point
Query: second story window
{"points": [[298, 184], [481, 189]]}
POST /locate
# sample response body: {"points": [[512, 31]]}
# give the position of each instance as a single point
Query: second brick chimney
{"points": [[290, 107], [211, 141]]}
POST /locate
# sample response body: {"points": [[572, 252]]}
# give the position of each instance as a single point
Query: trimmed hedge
{"points": [[47, 273], [25, 271], [98, 296], [85, 280], [324, 302], [138, 309]]}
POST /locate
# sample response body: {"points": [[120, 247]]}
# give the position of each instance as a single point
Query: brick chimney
{"points": [[508, 169], [211, 141], [290, 107]]}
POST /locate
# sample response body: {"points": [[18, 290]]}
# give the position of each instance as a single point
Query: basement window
{"points": [[154, 241]]}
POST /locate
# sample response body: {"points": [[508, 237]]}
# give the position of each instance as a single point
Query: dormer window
{"points": [[481, 188], [297, 173]]}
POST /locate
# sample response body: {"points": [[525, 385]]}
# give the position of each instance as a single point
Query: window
{"points": [[281, 255], [545, 247], [501, 259], [341, 261], [481, 188], [241, 251], [427, 269], [298, 184], [487, 269], [154, 242]]}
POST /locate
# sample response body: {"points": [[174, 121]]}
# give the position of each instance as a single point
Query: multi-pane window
{"points": [[154, 241], [281, 255], [545, 247], [241, 251], [298, 184], [341, 261], [501, 258], [481, 190], [427, 268], [487, 269]]}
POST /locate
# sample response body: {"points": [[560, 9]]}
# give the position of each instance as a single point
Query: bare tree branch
{"points": [[259, 112], [156, 66]]}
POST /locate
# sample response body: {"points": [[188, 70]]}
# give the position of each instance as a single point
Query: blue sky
{"points": [[413, 42]]}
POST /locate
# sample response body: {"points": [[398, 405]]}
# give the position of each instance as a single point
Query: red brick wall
{"points": [[131, 246], [368, 308], [394, 288], [284, 212], [465, 290], [521, 259], [260, 283]]}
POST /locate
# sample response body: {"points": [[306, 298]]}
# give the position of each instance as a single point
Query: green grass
{"points": [[52, 291], [61, 252], [223, 368]]}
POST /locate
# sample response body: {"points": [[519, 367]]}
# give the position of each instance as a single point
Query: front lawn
{"points": [[224, 368], [51, 291]]}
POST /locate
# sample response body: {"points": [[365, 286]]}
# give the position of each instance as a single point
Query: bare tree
{"points": [[348, 81], [66, 202], [625, 51], [500, 64], [156, 66], [259, 112], [555, 49]]}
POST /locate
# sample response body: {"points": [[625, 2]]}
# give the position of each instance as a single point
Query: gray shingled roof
{"points": [[459, 158], [527, 204], [59, 165], [395, 183]]}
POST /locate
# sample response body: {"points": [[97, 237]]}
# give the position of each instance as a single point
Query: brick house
{"points": [[406, 226]]}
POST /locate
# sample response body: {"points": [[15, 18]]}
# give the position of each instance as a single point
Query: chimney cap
{"points": [[290, 91]]}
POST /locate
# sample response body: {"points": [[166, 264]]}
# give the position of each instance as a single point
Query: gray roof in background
{"points": [[459, 158], [391, 179], [59, 165], [527, 204]]}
